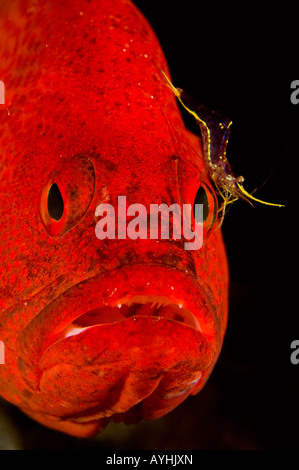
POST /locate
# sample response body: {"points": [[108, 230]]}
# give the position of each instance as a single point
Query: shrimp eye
{"points": [[207, 199], [55, 202]]}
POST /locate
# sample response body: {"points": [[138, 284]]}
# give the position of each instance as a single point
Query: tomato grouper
{"points": [[99, 329]]}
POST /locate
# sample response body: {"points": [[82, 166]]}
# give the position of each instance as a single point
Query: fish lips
{"points": [[138, 334]]}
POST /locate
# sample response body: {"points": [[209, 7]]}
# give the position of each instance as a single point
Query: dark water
{"points": [[242, 68]]}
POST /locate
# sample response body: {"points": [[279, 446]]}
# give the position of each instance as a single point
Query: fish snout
{"points": [[130, 345]]}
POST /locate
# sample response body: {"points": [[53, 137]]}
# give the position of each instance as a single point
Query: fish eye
{"points": [[67, 195], [206, 197], [55, 202]]}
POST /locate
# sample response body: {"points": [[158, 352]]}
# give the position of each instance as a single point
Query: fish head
{"points": [[96, 328]]}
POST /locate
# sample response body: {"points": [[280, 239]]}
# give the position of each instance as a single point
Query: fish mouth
{"points": [[143, 336], [138, 291], [138, 306]]}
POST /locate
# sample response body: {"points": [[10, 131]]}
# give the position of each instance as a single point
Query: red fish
{"points": [[94, 329]]}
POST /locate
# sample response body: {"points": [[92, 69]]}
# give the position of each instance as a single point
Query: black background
{"points": [[239, 59]]}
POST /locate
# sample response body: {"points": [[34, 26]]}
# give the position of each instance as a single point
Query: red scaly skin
{"points": [[86, 107]]}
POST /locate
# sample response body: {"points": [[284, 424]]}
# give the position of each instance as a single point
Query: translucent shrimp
{"points": [[215, 130]]}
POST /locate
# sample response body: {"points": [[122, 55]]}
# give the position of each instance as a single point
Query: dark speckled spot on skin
{"points": [[133, 188], [115, 24], [103, 252], [73, 194], [80, 53], [21, 364], [28, 394], [108, 164], [128, 259]]}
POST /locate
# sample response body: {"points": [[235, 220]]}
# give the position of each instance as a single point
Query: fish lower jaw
{"points": [[139, 306]]}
